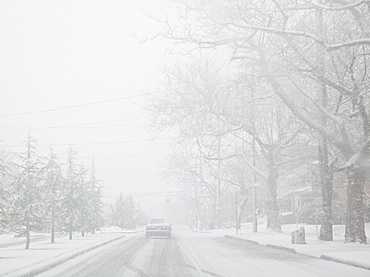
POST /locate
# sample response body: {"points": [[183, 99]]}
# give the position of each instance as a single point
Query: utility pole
{"points": [[236, 213], [198, 186], [254, 192], [196, 215], [218, 192]]}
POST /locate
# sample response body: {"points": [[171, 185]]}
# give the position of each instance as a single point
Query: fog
{"points": [[74, 74], [159, 128]]}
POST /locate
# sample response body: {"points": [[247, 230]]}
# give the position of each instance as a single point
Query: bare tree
{"points": [[277, 39]]}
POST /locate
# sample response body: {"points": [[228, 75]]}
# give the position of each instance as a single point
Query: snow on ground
{"points": [[42, 253], [354, 253]]}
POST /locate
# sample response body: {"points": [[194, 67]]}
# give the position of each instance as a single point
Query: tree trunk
{"points": [[71, 230], [355, 226], [242, 205], [52, 224], [71, 225], [326, 230], [83, 224], [273, 220], [28, 236]]}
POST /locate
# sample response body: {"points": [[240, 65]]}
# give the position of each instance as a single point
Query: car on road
{"points": [[158, 227]]}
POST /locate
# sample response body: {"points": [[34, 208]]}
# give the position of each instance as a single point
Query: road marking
{"points": [[189, 256]]}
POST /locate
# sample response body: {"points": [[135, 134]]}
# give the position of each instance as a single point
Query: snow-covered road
{"points": [[196, 254]]}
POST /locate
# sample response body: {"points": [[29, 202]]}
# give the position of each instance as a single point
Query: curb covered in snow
{"points": [[267, 245], [292, 250], [343, 261], [241, 239], [55, 261]]}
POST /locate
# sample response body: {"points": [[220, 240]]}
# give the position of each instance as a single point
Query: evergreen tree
{"points": [[117, 211], [70, 195], [4, 196], [26, 191], [124, 212], [53, 188], [95, 203], [129, 214], [82, 201]]}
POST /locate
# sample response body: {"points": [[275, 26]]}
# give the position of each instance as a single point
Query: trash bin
{"points": [[299, 236], [210, 225]]}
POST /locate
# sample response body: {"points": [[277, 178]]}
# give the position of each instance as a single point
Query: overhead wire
{"points": [[80, 125], [86, 125], [128, 156], [75, 106], [92, 143], [72, 127]]}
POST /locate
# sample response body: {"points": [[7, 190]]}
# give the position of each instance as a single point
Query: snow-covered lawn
{"points": [[355, 253], [16, 261]]}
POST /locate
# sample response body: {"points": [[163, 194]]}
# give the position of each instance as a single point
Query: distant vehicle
{"points": [[158, 227]]}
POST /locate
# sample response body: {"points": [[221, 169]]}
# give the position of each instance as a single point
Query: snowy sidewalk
{"points": [[42, 255], [354, 254]]}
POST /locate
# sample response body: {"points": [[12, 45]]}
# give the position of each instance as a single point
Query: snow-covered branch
{"points": [[339, 7], [333, 47], [285, 32]]}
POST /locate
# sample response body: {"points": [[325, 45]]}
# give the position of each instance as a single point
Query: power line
{"points": [[151, 194], [123, 156], [74, 106], [93, 123], [128, 156], [80, 125], [107, 142], [72, 127], [93, 143]]}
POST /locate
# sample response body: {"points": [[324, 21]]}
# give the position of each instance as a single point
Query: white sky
{"points": [[56, 54]]}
